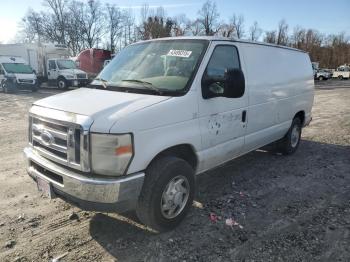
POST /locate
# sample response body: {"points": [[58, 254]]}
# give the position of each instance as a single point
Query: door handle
{"points": [[244, 116]]}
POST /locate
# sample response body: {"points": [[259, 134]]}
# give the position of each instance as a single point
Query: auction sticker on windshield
{"points": [[179, 53]]}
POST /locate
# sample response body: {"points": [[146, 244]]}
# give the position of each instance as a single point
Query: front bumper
{"points": [[84, 190], [78, 82]]}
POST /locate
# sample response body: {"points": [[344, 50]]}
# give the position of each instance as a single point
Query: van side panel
{"points": [[165, 124], [280, 84]]}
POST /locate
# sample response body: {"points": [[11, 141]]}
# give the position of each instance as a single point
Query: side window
{"points": [[52, 64], [1, 70], [224, 57]]}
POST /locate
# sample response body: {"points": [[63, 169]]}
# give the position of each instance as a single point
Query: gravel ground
{"points": [[294, 208]]}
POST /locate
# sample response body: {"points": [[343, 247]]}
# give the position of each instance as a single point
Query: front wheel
{"points": [[62, 83], [320, 78], [167, 193], [290, 142], [340, 77]]}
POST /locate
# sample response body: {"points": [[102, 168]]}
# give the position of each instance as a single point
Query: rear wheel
{"points": [[320, 78], [340, 77], [290, 142], [167, 193]]}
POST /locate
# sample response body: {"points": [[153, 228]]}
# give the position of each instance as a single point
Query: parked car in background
{"points": [[342, 72], [92, 60], [45, 60], [315, 67], [15, 73], [323, 75], [162, 112]]}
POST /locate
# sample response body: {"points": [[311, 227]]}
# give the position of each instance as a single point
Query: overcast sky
{"points": [[327, 16]]}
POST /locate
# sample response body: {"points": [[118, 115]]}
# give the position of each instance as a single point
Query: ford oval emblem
{"points": [[47, 138]]}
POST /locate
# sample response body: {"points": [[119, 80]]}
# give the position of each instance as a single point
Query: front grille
{"points": [[26, 81], [56, 141], [81, 76]]}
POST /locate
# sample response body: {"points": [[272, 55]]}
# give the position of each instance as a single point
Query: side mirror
{"points": [[231, 85], [234, 83]]}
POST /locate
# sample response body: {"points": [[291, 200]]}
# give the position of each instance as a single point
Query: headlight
{"points": [[69, 76], [111, 154]]}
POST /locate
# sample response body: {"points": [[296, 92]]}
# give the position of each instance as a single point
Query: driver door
{"points": [[222, 120], [52, 71]]}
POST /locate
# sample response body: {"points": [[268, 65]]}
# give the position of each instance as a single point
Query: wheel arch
{"points": [[301, 116], [183, 151]]}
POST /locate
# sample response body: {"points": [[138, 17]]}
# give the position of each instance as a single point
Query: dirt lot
{"points": [[294, 208]]}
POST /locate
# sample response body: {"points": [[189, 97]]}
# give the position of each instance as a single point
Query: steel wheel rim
{"points": [[61, 84], [295, 136], [175, 197]]}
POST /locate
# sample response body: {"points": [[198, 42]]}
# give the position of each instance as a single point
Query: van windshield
{"points": [[161, 67], [66, 64], [17, 68]]}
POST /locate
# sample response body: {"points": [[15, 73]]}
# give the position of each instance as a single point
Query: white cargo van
{"points": [[162, 112], [16, 74]]}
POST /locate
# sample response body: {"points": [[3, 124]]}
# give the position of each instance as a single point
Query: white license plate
{"points": [[75, 83], [45, 187]]}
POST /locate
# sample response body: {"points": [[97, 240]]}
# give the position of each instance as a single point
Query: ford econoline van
{"points": [[162, 112]]}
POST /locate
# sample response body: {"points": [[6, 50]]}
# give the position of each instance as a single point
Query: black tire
{"points": [[158, 175], [320, 78], [62, 83], [287, 145], [8, 90], [340, 77]]}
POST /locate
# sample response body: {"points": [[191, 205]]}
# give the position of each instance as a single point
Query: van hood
{"points": [[103, 106], [24, 76]]}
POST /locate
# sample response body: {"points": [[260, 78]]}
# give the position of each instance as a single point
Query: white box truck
{"points": [[139, 136], [50, 62]]}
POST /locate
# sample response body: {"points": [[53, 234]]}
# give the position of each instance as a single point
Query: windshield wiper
{"points": [[145, 84], [103, 82]]}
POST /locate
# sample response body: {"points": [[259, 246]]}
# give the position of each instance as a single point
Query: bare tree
{"points": [[156, 27], [270, 37], [194, 27], [93, 23], [238, 23], [298, 37], [58, 19], [255, 32], [114, 24], [32, 25], [282, 33], [130, 30], [180, 25], [208, 18], [226, 30]]}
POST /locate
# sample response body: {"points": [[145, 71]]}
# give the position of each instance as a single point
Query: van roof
{"points": [[12, 59], [219, 38]]}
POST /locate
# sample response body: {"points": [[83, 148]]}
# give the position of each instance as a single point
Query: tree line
{"points": [[87, 24]]}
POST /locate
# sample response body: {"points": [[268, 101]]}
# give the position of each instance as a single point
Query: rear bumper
{"points": [[84, 190]]}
